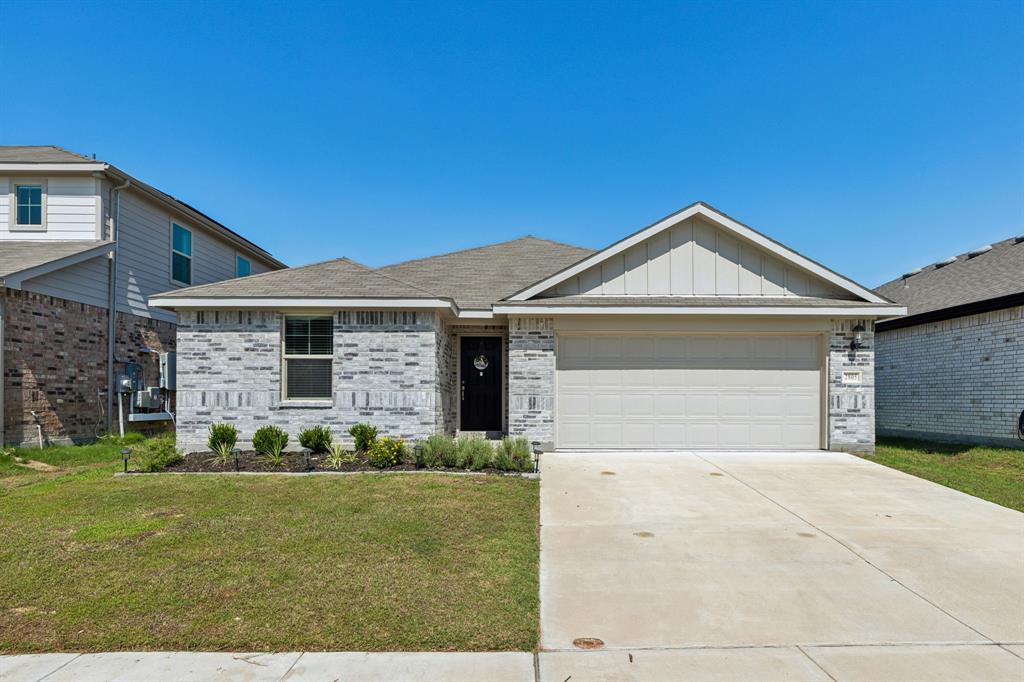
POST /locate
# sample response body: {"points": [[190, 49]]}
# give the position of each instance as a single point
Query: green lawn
{"points": [[994, 474], [368, 562]]}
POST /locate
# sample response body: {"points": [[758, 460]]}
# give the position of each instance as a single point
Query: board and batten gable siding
{"points": [[694, 258], [72, 209]]}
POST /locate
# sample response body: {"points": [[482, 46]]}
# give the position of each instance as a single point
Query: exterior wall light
{"points": [[858, 337]]}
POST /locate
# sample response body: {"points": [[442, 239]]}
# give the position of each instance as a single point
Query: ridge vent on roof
{"points": [[944, 263], [979, 251]]}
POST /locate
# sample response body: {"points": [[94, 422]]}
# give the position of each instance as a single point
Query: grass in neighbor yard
{"points": [[991, 473], [248, 563]]}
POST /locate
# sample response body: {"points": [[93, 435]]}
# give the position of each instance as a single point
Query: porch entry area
{"points": [[480, 383]]}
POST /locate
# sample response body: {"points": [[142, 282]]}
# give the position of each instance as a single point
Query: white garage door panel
{"points": [[676, 391]]}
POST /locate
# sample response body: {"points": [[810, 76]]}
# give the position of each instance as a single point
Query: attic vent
{"points": [[978, 252], [913, 272], [1019, 239], [944, 263]]}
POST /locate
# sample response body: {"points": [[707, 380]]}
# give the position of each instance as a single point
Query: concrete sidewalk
{"points": [[949, 662], [267, 667]]}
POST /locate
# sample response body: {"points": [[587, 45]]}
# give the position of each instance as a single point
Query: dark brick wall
{"points": [[55, 362]]}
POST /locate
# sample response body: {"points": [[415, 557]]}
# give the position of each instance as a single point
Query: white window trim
{"points": [[171, 251], [12, 205], [285, 357], [246, 259]]}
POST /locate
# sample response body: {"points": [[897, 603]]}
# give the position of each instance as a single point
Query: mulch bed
{"points": [[294, 462]]}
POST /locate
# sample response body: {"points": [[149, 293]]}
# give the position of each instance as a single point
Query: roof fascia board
{"points": [[962, 310], [193, 215], [16, 279], [718, 219], [52, 167], [844, 311], [244, 303]]}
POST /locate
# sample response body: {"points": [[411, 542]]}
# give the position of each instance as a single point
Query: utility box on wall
{"points": [[168, 369]]}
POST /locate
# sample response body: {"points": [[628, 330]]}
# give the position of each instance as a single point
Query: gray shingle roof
{"points": [[474, 278], [39, 154], [995, 273], [340, 278], [17, 256], [477, 278], [697, 301]]}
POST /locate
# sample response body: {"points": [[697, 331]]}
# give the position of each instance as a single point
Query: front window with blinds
{"points": [[308, 355]]}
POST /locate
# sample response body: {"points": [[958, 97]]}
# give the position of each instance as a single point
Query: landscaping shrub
{"points": [[385, 452], [521, 452], [437, 451], [270, 441], [339, 456], [222, 434], [364, 435], [474, 452], [157, 454], [503, 459], [221, 454], [316, 438]]}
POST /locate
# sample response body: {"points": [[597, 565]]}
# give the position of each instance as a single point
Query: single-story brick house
{"points": [[953, 368], [694, 332]]}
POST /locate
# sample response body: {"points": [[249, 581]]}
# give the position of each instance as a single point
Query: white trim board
{"points": [[719, 220], [838, 311], [242, 303]]}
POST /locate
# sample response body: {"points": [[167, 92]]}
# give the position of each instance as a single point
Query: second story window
{"points": [[29, 206], [242, 267], [181, 255]]}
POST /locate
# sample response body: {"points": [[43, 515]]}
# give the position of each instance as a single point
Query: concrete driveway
{"points": [[773, 565]]}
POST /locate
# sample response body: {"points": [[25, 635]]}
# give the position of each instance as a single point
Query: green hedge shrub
{"points": [[513, 454], [221, 435], [316, 438], [436, 451], [364, 435], [269, 440], [385, 452], [157, 454]]}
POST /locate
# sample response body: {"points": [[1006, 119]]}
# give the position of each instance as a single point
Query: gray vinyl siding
{"points": [[144, 260], [84, 282]]}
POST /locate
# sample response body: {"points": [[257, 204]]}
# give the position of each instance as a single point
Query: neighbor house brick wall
{"points": [[531, 379], [384, 373], [957, 380], [55, 363], [851, 405]]}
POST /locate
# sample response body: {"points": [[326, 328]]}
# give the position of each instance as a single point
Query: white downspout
{"points": [[112, 302]]}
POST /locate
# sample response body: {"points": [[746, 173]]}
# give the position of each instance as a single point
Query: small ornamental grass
{"points": [[385, 452], [513, 454], [157, 454], [474, 452], [339, 456], [270, 441], [316, 438], [364, 435], [436, 452]]}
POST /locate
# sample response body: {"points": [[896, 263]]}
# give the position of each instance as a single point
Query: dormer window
{"points": [[242, 267], [181, 255], [29, 205]]}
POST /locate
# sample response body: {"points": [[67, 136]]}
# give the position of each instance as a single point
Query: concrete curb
{"points": [[530, 475]]}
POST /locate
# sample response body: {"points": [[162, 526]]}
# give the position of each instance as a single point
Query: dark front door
{"points": [[480, 389]]}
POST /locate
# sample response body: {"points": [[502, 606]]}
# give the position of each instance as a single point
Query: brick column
{"points": [[531, 378], [851, 403]]}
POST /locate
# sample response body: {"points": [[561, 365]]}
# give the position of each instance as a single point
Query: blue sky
{"points": [[873, 137]]}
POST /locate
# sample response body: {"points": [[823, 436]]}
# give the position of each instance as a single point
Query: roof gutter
{"points": [[286, 303], [988, 305], [837, 311]]}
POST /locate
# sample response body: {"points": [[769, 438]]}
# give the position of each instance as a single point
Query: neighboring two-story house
{"points": [[79, 237]]}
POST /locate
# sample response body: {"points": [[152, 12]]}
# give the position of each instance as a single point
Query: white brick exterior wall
{"points": [[957, 380], [531, 378], [851, 406]]}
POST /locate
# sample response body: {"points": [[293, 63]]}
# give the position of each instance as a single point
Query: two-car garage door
{"points": [[732, 391]]}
